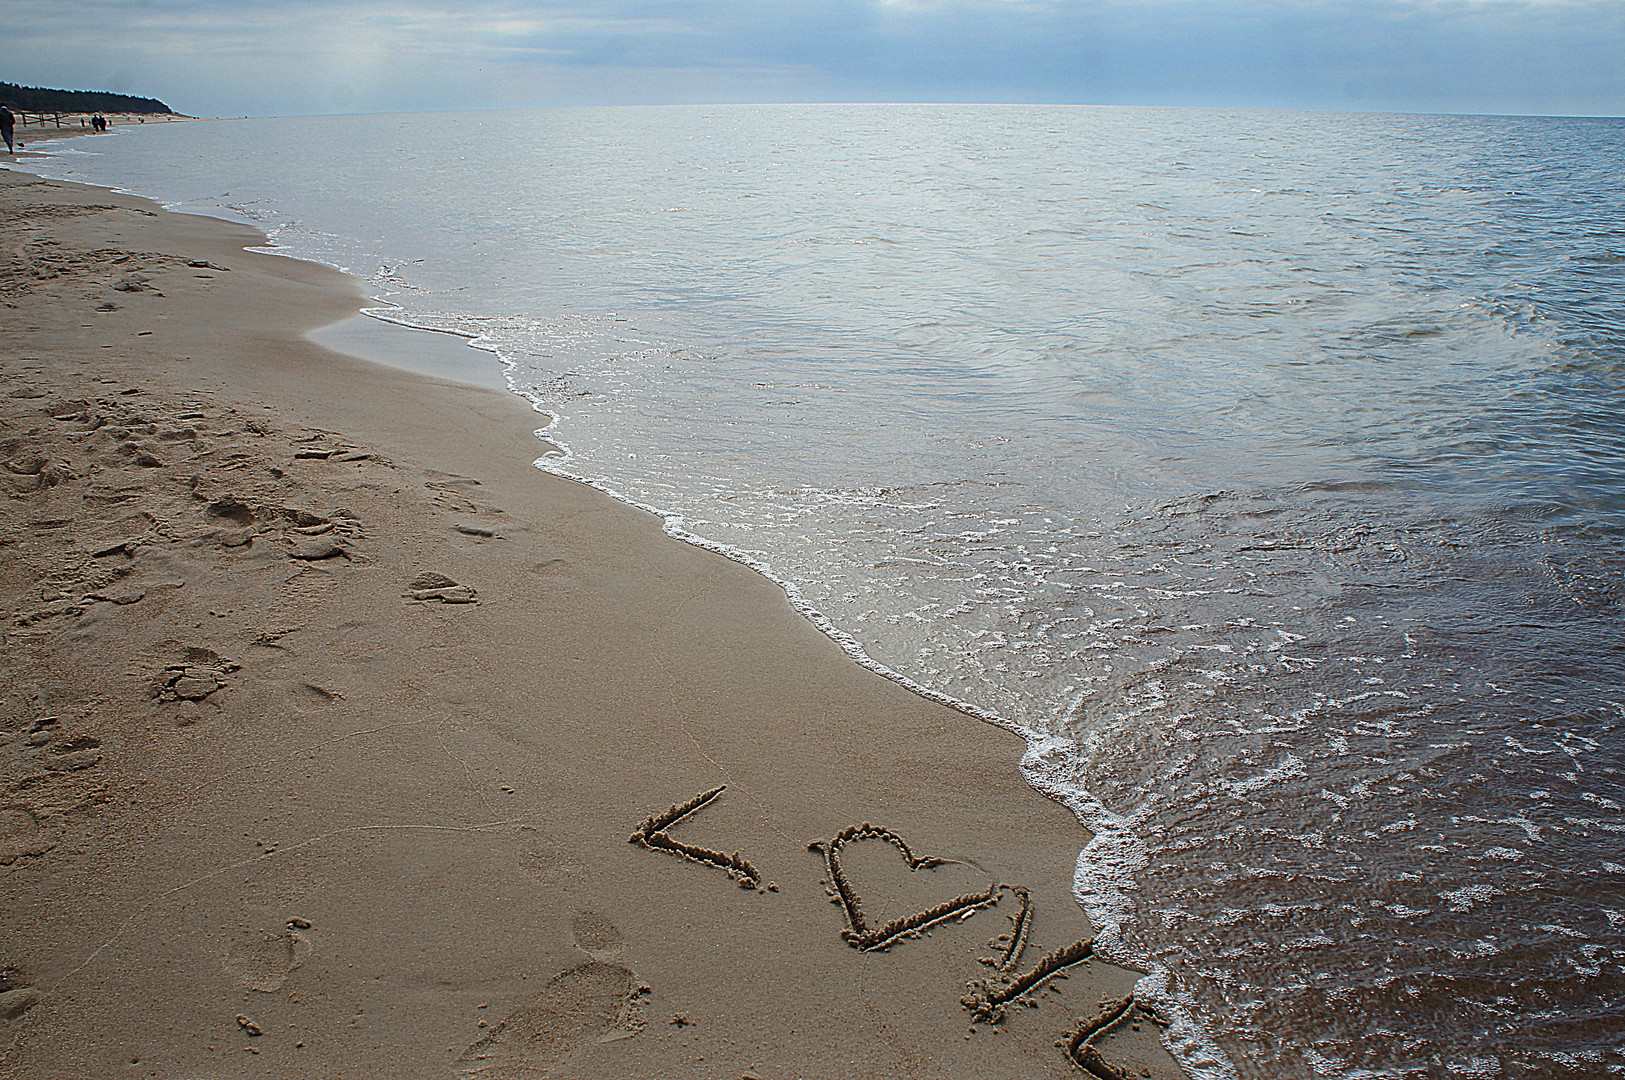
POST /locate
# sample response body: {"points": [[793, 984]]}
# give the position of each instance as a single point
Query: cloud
{"points": [[269, 56]]}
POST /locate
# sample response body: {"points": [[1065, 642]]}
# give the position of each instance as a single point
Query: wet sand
{"points": [[326, 719]]}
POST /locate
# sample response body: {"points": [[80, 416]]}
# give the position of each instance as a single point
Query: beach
{"points": [[328, 717]]}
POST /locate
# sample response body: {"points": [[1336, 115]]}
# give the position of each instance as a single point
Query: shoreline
{"points": [[408, 815]]}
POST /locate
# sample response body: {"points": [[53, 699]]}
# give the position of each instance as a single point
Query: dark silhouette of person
{"points": [[7, 123]]}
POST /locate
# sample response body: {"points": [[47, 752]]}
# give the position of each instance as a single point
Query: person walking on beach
{"points": [[7, 123]]}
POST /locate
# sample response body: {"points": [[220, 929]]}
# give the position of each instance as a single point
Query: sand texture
{"points": [[338, 741]]}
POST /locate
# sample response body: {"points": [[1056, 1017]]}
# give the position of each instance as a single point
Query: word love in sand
{"points": [[988, 998]]}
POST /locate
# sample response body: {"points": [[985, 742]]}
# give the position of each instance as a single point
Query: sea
{"points": [[1264, 470]]}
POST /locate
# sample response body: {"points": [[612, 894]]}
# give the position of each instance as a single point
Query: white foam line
{"points": [[1101, 883], [389, 314]]}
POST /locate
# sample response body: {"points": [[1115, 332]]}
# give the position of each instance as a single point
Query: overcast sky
{"points": [[275, 57]]}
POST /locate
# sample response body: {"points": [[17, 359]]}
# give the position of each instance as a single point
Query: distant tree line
{"points": [[38, 99]]}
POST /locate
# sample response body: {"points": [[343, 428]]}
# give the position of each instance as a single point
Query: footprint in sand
{"points": [[26, 468], [597, 936], [593, 1002], [16, 996], [450, 493], [316, 550], [431, 587], [23, 835], [261, 961], [578, 1007], [230, 508], [202, 673], [73, 755]]}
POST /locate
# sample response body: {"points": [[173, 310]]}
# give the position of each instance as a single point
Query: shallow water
{"points": [[1266, 470]]}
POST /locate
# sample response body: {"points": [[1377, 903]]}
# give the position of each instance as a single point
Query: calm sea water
{"points": [[1267, 471]]}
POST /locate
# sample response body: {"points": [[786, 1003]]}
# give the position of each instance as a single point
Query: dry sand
{"points": [[274, 803]]}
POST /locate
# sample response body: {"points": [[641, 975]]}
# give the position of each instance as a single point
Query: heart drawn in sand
{"points": [[859, 934]]}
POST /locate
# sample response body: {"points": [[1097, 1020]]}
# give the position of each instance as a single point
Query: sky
{"points": [[291, 57]]}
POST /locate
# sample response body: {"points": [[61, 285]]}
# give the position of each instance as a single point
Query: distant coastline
{"points": [[40, 99]]}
